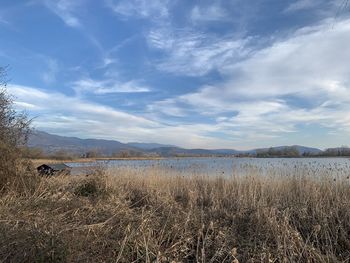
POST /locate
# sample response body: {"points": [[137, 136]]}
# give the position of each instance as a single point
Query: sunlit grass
{"points": [[128, 215]]}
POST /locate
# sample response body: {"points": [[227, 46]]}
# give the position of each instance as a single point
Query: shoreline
{"points": [[90, 160]]}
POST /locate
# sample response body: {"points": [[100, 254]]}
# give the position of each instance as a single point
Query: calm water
{"points": [[234, 166]]}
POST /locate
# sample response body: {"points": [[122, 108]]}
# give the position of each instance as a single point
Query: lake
{"points": [[334, 167]]}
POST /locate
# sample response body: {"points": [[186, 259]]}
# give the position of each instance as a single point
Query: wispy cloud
{"points": [[194, 53], [210, 13], [77, 117], [65, 9], [311, 61], [4, 21], [242, 79], [310, 65], [68, 11], [49, 76], [321, 8], [99, 87], [140, 8], [168, 107], [302, 5], [52, 113]]}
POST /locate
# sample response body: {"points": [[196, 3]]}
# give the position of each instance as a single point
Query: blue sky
{"points": [[211, 74]]}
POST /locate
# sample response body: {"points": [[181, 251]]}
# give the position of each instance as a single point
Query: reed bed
{"points": [[125, 215]]}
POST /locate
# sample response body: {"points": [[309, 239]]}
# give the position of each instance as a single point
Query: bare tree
{"points": [[14, 131]]}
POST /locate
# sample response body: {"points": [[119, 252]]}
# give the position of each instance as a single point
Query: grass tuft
{"points": [[88, 188]]}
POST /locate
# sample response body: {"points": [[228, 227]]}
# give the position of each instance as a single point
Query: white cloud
{"points": [[3, 21], [194, 53], [319, 8], [57, 111], [265, 93], [49, 76], [25, 105], [70, 12], [302, 5], [140, 8], [108, 86], [71, 116], [252, 127], [210, 13], [168, 107], [310, 66], [65, 9], [313, 61]]}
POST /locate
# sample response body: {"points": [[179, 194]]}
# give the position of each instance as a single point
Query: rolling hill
{"points": [[51, 143]]}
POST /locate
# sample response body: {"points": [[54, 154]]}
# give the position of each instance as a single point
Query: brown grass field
{"points": [[159, 216]]}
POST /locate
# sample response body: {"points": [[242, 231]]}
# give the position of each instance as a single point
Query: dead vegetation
{"points": [[129, 216], [14, 131]]}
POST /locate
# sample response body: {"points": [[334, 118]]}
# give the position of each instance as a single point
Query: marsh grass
{"points": [[157, 216]]}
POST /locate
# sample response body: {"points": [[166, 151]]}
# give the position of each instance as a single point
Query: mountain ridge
{"points": [[51, 143]]}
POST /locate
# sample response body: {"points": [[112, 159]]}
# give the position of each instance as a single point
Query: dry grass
{"points": [[153, 216]]}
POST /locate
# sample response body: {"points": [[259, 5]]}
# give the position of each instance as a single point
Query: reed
{"points": [[152, 215]]}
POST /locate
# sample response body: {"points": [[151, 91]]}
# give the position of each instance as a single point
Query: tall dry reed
{"points": [[129, 215]]}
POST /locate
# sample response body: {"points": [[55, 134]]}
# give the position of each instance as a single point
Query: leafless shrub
{"points": [[14, 131]]}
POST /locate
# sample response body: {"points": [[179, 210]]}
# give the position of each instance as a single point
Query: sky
{"points": [[236, 74]]}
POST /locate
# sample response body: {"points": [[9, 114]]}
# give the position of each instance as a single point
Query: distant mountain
{"points": [[51, 143], [148, 146]]}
